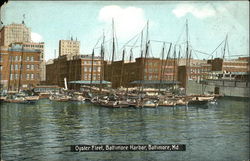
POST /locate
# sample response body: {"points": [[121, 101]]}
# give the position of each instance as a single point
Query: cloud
{"points": [[197, 11], [128, 21], [35, 37]]}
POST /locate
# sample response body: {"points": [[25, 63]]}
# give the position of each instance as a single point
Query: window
{"points": [[16, 58], [16, 66], [28, 58], [28, 66], [31, 76], [85, 69], [1, 59], [85, 76], [11, 67], [27, 76], [16, 76], [32, 58], [1, 68], [32, 66], [11, 76]]}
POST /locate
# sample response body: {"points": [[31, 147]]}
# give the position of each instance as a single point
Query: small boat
{"points": [[182, 102], [59, 98], [167, 102], [3, 98], [150, 103], [32, 99], [15, 99], [77, 97], [200, 100], [121, 104], [106, 103], [44, 95]]}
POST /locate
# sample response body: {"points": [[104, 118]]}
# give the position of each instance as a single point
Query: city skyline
{"points": [[209, 23]]}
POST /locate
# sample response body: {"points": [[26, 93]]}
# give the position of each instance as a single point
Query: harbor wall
{"points": [[223, 87]]}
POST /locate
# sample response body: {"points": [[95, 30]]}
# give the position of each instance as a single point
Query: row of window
{"points": [[151, 70], [88, 77], [28, 67], [90, 62], [25, 76], [95, 69], [19, 58], [33, 46]]}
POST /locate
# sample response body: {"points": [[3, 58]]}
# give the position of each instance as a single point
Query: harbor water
{"points": [[45, 131]]}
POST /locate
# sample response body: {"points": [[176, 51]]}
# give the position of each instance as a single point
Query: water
{"points": [[45, 130]]}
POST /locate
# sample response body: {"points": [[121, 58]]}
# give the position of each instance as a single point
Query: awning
{"points": [[155, 82], [89, 82]]}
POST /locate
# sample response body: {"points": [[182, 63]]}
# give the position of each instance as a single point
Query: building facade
{"points": [[70, 48], [121, 73], [77, 69], [40, 47], [234, 65], [197, 72], [20, 68], [14, 33]]}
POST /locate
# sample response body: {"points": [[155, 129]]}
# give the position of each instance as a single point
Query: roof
{"points": [[155, 82], [89, 82]]}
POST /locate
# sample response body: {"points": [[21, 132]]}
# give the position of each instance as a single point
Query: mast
{"points": [[162, 61], [10, 59], [123, 54], [113, 40], [20, 71], [178, 62], [187, 41], [92, 65], [102, 63], [113, 50], [187, 52], [144, 65], [131, 55], [224, 50], [141, 44], [144, 61], [174, 68], [166, 61]]}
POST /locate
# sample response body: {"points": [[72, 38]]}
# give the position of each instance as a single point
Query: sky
{"points": [[87, 21]]}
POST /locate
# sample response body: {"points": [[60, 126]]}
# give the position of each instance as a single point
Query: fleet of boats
{"points": [[113, 99]]}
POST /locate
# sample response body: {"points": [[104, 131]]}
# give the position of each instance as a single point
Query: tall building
{"points": [[20, 68], [14, 33], [69, 48], [76, 69]]}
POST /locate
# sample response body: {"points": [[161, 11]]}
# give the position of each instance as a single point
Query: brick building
{"points": [[234, 65], [37, 46], [123, 73], [196, 72], [79, 68], [20, 68]]}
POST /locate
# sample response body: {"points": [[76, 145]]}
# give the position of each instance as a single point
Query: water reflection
{"points": [[45, 130]]}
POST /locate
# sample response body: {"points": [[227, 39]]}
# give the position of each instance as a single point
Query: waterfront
{"points": [[45, 130]]}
